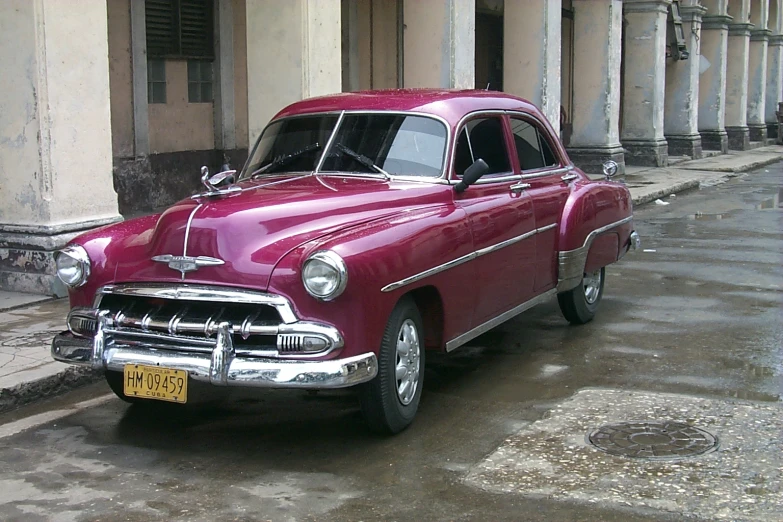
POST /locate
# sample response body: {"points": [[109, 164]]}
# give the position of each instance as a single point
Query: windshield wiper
{"points": [[364, 160], [282, 160]]}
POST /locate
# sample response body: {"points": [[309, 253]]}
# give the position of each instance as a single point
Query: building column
{"points": [[531, 54], [55, 136], [439, 43], [737, 76], [225, 119], [681, 108], [774, 83], [757, 70], [712, 77], [644, 82], [293, 52], [598, 26]]}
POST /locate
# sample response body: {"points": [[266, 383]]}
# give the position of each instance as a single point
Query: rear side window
{"points": [[482, 138], [533, 150]]}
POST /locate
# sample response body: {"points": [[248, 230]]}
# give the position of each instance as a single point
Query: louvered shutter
{"points": [[161, 26], [196, 29]]}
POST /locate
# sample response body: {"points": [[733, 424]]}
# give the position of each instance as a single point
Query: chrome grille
{"points": [[193, 325]]}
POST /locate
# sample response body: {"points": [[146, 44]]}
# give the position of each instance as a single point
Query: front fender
{"points": [[377, 254], [595, 230]]}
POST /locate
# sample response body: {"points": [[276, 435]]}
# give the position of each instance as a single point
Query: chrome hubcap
{"points": [[592, 286], [408, 359]]}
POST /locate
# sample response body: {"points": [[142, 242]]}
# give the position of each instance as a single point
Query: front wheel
{"points": [[389, 402], [580, 304]]}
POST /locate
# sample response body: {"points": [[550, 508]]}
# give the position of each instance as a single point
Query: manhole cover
{"points": [[652, 440]]}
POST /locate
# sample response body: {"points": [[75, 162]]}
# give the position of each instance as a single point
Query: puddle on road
{"points": [[771, 203]]}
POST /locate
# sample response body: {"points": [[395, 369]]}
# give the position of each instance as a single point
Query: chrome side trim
{"points": [[571, 263], [547, 173], [502, 318], [224, 367], [201, 293], [463, 259]]}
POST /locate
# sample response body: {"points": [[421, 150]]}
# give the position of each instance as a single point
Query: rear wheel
{"points": [[390, 401], [580, 304]]}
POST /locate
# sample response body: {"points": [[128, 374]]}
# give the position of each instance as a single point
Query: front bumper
{"points": [[222, 367]]}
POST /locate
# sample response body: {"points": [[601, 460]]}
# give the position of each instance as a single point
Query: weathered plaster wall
{"points": [[120, 77], [531, 54], [178, 125], [293, 52], [55, 125], [439, 43]]}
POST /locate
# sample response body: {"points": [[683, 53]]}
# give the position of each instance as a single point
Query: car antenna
{"points": [[487, 86]]}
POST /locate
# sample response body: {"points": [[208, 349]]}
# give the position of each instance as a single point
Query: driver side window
{"points": [[482, 138]]}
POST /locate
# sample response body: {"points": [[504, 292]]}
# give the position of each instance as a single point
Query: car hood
{"points": [[251, 230]]}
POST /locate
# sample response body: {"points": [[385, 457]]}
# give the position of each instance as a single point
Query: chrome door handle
{"points": [[569, 177], [519, 187]]}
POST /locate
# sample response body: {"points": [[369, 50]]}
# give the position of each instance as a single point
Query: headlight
{"points": [[324, 275], [73, 265]]}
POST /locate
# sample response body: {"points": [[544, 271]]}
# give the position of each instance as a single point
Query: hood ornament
{"points": [[185, 264]]}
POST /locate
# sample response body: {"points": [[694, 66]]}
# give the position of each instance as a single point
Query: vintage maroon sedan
{"points": [[364, 230]]}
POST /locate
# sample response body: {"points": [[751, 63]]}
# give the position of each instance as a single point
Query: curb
{"points": [[671, 189], [25, 393], [748, 166]]}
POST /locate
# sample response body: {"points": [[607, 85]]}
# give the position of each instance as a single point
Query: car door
{"points": [[501, 217], [550, 184]]}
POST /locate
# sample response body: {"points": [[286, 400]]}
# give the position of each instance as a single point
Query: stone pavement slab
{"points": [[737, 161], [9, 300], [27, 370], [741, 480]]}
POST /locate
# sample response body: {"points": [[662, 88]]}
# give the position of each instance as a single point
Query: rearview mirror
{"points": [[472, 175]]}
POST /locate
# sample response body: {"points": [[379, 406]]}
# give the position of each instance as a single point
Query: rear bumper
{"points": [[222, 367]]}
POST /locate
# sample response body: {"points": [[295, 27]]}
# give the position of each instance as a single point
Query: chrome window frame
{"points": [[561, 168], [440, 179]]}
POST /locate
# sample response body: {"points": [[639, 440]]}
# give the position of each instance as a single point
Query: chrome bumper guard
{"points": [[221, 367]]}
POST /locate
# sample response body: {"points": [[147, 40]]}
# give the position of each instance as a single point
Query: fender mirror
{"points": [[472, 175]]}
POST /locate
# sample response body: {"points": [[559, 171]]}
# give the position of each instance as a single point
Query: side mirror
{"points": [[472, 175], [610, 169]]}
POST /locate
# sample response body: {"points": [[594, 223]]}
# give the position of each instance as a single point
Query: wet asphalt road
{"points": [[699, 314]]}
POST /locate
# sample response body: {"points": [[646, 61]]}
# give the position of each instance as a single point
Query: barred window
{"points": [[199, 81], [156, 81], [180, 29]]}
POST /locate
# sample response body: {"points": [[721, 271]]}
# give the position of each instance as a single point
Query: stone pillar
{"points": [[598, 26], [757, 70], [293, 52], [737, 76], [55, 135], [644, 82], [712, 77], [774, 83], [531, 54], [439, 43], [681, 109]]}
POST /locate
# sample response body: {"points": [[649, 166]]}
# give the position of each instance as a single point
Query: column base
{"points": [[772, 130], [591, 159], [757, 131], [27, 255], [646, 153], [715, 140], [739, 138], [685, 145]]}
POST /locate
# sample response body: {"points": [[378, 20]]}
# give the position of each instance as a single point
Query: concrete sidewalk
{"points": [[28, 322]]}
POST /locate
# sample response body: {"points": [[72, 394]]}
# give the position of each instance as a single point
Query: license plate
{"points": [[155, 382]]}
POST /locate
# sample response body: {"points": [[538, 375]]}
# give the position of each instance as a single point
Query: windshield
{"points": [[378, 144], [291, 145]]}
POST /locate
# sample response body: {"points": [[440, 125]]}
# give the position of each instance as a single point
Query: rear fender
{"points": [[594, 232]]}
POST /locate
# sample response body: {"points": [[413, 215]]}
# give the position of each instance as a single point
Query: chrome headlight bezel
{"points": [[335, 263], [75, 254]]}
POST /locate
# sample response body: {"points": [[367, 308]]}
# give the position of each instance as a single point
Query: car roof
{"points": [[449, 104]]}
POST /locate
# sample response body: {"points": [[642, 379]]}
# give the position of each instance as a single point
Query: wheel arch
{"points": [[430, 304]]}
